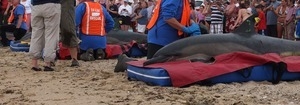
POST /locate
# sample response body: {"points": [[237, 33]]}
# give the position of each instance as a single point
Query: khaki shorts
{"points": [[68, 35]]}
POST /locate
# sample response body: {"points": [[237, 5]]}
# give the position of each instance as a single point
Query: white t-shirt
{"points": [[27, 4], [122, 12]]}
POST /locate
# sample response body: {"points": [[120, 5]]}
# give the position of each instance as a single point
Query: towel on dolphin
{"points": [[184, 72], [205, 47]]}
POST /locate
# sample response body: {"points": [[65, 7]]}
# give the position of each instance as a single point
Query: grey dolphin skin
{"points": [[204, 47], [126, 36]]}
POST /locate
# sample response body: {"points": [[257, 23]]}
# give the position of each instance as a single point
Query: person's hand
{"points": [[195, 29], [192, 30], [186, 30]]}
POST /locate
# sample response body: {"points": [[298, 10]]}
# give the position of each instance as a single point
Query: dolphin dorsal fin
{"points": [[247, 27]]}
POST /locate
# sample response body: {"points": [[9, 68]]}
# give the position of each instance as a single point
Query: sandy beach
{"points": [[95, 83]]}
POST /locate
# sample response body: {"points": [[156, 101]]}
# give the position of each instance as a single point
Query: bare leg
{"points": [[35, 63], [73, 52]]}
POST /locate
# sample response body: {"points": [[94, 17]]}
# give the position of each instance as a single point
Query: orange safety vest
{"points": [[93, 20], [12, 16], [185, 17]]}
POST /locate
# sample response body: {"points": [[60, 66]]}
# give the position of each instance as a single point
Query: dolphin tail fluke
{"points": [[158, 59], [121, 64]]}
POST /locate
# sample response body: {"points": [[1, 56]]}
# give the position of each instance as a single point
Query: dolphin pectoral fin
{"points": [[158, 59]]}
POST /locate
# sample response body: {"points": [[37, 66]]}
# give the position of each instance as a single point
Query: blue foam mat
{"points": [[160, 77], [19, 47], [135, 51]]}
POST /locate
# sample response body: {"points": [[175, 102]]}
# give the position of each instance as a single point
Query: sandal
{"points": [[36, 69], [46, 68]]}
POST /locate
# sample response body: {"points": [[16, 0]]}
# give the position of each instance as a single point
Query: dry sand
{"points": [[95, 83]]}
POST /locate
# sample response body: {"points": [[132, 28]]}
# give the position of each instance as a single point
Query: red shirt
{"points": [[261, 25]]}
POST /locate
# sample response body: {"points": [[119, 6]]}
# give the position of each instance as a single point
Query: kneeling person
{"points": [[17, 23], [92, 23]]}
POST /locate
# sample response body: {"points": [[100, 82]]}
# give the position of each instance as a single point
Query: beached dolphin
{"points": [[205, 47], [126, 36]]}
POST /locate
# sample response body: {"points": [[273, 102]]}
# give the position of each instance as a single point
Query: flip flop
{"points": [[36, 69]]}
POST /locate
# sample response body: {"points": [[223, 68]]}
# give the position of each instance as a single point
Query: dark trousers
{"points": [[272, 30], [18, 33], [152, 49], [3, 19], [95, 54]]}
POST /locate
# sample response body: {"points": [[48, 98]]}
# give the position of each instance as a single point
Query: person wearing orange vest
{"points": [[17, 23], [92, 22], [169, 23]]}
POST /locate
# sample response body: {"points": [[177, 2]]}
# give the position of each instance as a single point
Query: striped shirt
{"points": [[216, 15]]}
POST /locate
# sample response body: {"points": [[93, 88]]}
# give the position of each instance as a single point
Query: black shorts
{"points": [[126, 20]]}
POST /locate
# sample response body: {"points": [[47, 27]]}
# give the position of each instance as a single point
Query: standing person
{"points": [[45, 16], [142, 18], [200, 16], [92, 23], [16, 23], [216, 26], [272, 18], [207, 13], [261, 24], [112, 9], [27, 4], [231, 13], [7, 12], [290, 21], [4, 4], [193, 12], [243, 14], [298, 21], [125, 10], [150, 9], [170, 22], [68, 32], [281, 13]]}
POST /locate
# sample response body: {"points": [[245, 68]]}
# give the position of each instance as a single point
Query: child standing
{"points": [[261, 25]]}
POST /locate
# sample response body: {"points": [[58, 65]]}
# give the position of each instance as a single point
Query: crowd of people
{"points": [[274, 18], [84, 24]]}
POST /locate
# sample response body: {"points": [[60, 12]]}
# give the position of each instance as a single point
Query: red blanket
{"points": [[183, 73]]}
